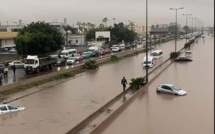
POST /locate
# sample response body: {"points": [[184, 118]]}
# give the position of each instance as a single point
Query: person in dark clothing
{"points": [[14, 69], [124, 82]]}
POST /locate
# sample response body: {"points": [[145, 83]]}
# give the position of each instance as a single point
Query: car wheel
{"points": [[158, 91]]}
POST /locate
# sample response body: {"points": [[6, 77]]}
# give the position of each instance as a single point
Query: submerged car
{"points": [[8, 108], [183, 59], [171, 89]]}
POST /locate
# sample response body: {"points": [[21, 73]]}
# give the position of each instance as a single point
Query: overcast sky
{"points": [[95, 10]]}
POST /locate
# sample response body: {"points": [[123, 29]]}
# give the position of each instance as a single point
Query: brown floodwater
{"points": [[154, 113], [59, 108]]}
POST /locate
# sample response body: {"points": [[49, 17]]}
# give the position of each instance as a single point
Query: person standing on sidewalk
{"points": [[14, 69], [124, 82]]}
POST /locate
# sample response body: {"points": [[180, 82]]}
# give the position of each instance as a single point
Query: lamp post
{"points": [[146, 41], [186, 24], [176, 27], [192, 22]]}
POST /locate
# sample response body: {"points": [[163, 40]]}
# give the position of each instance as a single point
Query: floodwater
{"points": [[154, 113], [57, 108]]}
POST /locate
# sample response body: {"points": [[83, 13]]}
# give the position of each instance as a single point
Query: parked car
{"points": [[12, 50], [78, 56], [71, 60], [61, 61], [8, 108], [171, 89], [115, 49], [86, 55], [183, 59], [1, 67], [18, 64], [107, 51]]}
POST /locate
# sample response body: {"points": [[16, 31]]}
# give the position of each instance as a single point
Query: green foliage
{"points": [[114, 58], [174, 55], [38, 39], [118, 33], [186, 45], [136, 83], [91, 64]]}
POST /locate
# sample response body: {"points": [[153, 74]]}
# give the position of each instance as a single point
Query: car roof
{"points": [[167, 84], [156, 51]]}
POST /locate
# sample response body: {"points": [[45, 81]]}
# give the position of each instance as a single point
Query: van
{"points": [[67, 53], [157, 54], [150, 62]]}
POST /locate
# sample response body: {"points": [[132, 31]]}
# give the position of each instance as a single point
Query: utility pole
{"points": [[176, 25]]}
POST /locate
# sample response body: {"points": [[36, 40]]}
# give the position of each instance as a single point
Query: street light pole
{"points": [[146, 41], [176, 27], [186, 24]]}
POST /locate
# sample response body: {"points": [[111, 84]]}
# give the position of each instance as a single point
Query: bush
{"points": [[114, 58], [136, 83], [174, 55], [91, 64]]}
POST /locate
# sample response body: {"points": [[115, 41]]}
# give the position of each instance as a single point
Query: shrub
{"points": [[91, 64], [136, 83], [174, 55], [114, 58]]}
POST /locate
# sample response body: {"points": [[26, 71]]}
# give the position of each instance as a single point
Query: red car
{"points": [[107, 51]]}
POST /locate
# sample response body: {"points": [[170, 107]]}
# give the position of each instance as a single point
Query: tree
{"points": [[186, 28], [105, 21], [38, 39]]}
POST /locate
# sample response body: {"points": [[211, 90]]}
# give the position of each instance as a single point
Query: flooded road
{"points": [[56, 109], [154, 113]]}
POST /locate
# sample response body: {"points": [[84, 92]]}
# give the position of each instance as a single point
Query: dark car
{"points": [[61, 61], [1, 67], [183, 59]]}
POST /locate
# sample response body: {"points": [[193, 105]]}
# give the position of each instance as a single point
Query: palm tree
{"points": [[105, 21], [131, 24], [93, 26], [88, 25], [101, 26], [79, 24]]}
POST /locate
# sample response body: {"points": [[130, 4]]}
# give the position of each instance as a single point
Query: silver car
{"points": [[8, 108], [171, 89]]}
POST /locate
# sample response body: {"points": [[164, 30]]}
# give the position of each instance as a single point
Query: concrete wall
{"points": [[49, 75]]}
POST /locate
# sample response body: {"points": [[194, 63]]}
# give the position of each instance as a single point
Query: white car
{"points": [[8, 108], [18, 64], [115, 49], [71, 60], [171, 89]]}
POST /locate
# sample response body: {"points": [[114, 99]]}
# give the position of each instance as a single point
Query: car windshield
{"points": [[175, 88], [149, 62], [71, 58], [154, 54], [29, 61]]}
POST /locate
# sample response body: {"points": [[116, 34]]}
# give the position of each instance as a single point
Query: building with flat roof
{"points": [[7, 39]]}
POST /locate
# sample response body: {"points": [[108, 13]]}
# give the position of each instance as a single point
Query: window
{"points": [[3, 108], [12, 108], [166, 87]]}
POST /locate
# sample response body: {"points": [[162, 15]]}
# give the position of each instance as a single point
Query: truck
{"points": [[34, 64]]}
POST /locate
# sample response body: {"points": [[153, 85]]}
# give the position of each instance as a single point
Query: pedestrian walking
{"points": [[124, 82], [14, 69]]}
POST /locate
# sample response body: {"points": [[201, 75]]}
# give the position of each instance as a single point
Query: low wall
{"points": [[49, 75]]}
